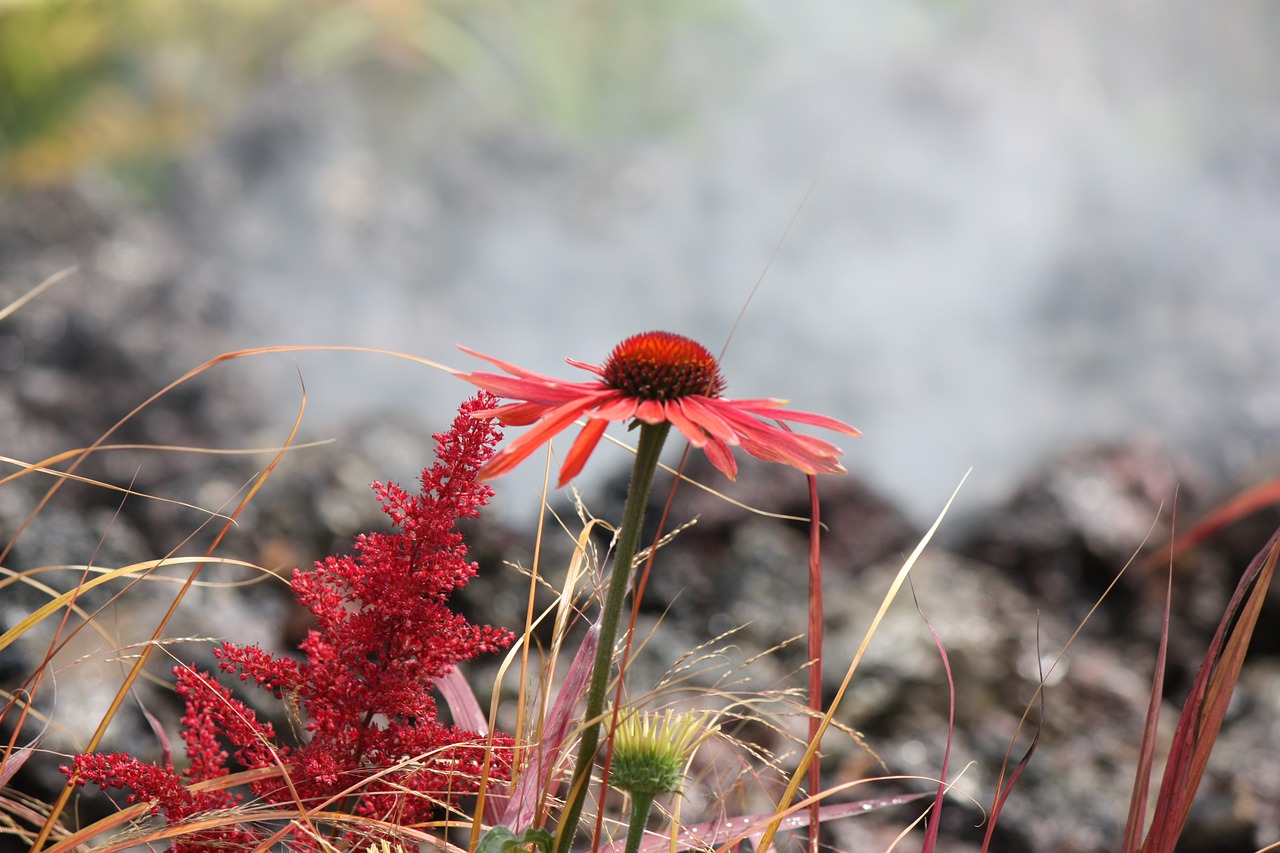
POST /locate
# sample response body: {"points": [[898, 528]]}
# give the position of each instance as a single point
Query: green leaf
{"points": [[502, 840]]}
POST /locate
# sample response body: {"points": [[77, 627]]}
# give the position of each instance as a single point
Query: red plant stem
{"points": [[815, 656]]}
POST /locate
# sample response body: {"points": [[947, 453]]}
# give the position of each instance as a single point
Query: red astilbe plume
{"points": [[384, 634]]}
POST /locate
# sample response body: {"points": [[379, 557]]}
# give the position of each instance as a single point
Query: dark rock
{"points": [[747, 541], [1069, 531]]}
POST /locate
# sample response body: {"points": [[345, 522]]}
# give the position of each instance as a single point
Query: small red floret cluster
{"points": [[384, 634]]}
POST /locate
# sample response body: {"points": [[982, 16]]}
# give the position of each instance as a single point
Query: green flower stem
{"points": [[652, 437], [640, 806]]}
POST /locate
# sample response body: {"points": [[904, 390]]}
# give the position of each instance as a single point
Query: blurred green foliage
{"points": [[115, 81]]}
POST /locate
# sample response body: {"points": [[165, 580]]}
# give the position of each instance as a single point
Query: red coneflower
{"points": [[654, 377]]}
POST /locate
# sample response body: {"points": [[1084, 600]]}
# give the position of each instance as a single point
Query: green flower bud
{"points": [[651, 751]]}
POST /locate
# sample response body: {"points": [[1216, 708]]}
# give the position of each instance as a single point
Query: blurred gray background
{"points": [[1030, 223]]}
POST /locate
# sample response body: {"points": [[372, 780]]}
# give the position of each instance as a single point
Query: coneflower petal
{"points": [[654, 377], [556, 421], [582, 447]]}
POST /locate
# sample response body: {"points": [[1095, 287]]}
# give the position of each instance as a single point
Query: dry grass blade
{"points": [[22, 300], [58, 601], [812, 749]]}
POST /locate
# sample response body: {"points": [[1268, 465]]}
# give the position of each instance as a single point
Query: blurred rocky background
{"points": [[1035, 239]]}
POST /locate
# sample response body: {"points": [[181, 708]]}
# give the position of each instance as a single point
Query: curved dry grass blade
{"points": [[789, 794], [22, 300], [136, 670], [44, 466], [1206, 706], [65, 599], [189, 375]]}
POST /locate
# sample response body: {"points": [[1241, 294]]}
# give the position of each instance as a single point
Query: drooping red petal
{"points": [[695, 434], [531, 390], [766, 408], [581, 450], [719, 454], [621, 409], [651, 412], [515, 414], [808, 454], [556, 421], [703, 411]]}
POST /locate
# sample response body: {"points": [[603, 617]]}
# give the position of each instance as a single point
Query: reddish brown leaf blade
{"points": [[1206, 706], [1003, 796], [1146, 752], [462, 702], [536, 781], [1245, 503], [166, 747], [12, 762], [815, 651], [935, 816], [714, 833]]}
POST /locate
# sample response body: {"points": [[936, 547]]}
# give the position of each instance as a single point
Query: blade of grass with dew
{"points": [[727, 832], [1206, 706], [799, 774]]}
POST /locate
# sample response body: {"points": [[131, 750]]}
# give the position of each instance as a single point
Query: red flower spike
{"points": [[652, 378], [384, 634]]}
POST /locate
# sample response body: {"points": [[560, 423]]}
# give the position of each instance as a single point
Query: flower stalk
{"points": [[641, 805], [652, 437], [651, 753]]}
